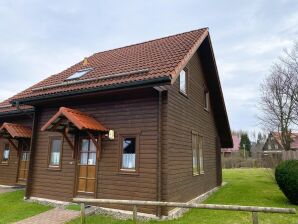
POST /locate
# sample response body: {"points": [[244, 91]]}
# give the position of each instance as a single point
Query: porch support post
{"points": [[13, 145]]}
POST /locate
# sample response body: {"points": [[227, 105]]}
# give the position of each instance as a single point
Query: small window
{"points": [[183, 81], [206, 100], [55, 151], [197, 154], [129, 151], [276, 146], [269, 147], [5, 155], [79, 74]]}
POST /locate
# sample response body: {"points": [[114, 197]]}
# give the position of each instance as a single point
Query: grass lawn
{"points": [[13, 208], [244, 187]]}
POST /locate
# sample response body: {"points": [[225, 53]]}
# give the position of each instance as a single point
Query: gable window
{"points": [[5, 155], [206, 100], [269, 147], [78, 74], [129, 149], [55, 152], [197, 154], [276, 146], [183, 78]]}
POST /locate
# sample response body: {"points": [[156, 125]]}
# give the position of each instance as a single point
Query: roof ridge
{"points": [[149, 41]]}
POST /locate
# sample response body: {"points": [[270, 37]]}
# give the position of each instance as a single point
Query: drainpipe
{"points": [[32, 151], [159, 154]]}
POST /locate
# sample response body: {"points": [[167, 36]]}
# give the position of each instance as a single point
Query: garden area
{"points": [[255, 187]]}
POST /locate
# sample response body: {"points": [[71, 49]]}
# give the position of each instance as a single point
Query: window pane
{"points": [[201, 161], [5, 154], [92, 146], [85, 145], [183, 81], [92, 158], [195, 167], [206, 99], [55, 152], [84, 158], [129, 153]]}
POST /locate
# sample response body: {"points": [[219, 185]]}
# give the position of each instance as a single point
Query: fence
{"points": [[134, 203], [287, 155]]}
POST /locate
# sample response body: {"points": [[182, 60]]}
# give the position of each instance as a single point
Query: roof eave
{"points": [[142, 83], [16, 112]]}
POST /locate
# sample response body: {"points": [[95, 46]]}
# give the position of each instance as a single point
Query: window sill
{"points": [[202, 172], [54, 168], [128, 172], [183, 94]]}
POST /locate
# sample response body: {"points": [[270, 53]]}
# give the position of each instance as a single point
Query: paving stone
{"points": [[54, 216]]}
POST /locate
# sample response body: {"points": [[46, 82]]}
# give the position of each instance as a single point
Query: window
{"points": [[276, 146], [197, 154], [55, 151], [5, 155], [183, 81], [79, 74], [129, 153], [206, 100], [269, 147], [88, 152]]}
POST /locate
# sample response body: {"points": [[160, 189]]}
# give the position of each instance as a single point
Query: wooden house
{"points": [[15, 139], [145, 121]]}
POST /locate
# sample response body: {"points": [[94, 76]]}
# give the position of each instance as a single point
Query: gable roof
{"points": [[81, 120], [15, 130], [156, 60]]}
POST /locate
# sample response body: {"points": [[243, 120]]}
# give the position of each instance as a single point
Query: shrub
{"points": [[286, 175]]}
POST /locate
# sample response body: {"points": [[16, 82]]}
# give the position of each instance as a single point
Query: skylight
{"points": [[79, 74]]}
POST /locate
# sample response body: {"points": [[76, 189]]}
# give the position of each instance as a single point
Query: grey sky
{"points": [[41, 38]]}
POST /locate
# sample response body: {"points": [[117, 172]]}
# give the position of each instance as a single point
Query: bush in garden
{"points": [[286, 175]]}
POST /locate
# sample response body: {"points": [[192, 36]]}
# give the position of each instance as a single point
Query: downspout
{"points": [[159, 154], [32, 151]]}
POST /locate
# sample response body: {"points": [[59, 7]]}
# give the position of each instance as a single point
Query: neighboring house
{"points": [[273, 142], [15, 134], [226, 152], [146, 122]]}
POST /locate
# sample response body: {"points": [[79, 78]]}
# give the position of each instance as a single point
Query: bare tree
{"points": [[279, 97]]}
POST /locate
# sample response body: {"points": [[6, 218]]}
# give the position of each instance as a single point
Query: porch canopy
{"points": [[15, 131], [68, 120]]}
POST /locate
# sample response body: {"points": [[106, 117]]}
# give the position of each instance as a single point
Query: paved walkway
{"points": [[54, 216], [5, 189]]}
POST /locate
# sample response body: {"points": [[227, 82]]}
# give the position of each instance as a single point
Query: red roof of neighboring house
{"points": [[236, 147], [164, 57], [81, 120], [15, 131]]}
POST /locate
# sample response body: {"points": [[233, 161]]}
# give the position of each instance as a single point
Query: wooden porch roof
{"points": [[80, 120]]}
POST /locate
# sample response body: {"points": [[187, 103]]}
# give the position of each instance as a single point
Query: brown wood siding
{"points": [[9, 172], [126, 114], [184, 115]]}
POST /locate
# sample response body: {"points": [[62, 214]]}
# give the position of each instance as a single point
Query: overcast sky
{"points": [[41, 38]]}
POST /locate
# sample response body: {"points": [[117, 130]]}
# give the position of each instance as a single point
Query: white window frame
{"points": [[183, 84]]}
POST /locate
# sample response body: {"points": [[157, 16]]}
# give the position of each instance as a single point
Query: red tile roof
{"points": [[164, 57], [15, 131], [79, 119]]}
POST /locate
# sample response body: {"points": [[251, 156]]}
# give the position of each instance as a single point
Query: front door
{"points": [[23, 164], [86, 174]]}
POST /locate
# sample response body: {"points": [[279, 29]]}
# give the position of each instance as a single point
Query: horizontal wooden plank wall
{"points": [[9, 172], [129, 113], [184, 115]]}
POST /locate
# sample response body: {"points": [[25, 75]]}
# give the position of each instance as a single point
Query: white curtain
{"points": [[129, 161], [55, 158]]}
